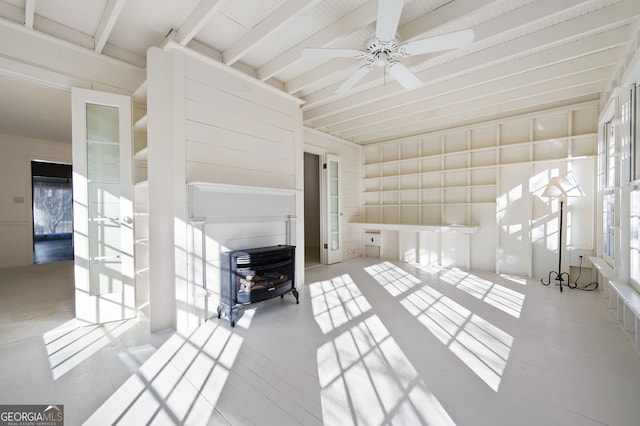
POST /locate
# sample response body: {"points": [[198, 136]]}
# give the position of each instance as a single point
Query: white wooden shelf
{"points": [[485, 185], [429, 204], [141, 124], [622, 299], [142, 154], [407, 180], [141, 195], [458, 229]]}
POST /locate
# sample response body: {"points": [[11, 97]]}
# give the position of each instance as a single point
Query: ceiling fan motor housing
{"points": [[382, 52]]}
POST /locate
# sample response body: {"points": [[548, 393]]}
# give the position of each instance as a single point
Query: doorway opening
{"points": [[311, 210], [52, 208]]}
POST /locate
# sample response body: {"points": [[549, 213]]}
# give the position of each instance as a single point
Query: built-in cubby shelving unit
{"points": [[141, 196], [439, 179]]}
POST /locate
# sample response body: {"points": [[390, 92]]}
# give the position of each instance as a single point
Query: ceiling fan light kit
{"points": [[383, 49]]}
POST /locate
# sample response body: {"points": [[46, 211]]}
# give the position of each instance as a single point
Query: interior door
{"points": [[333, 203], [102, 206]]}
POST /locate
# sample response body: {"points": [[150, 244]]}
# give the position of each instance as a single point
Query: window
{"points": [[634, 240], [634, 199], [608, 180], [51, 207], [635, 134]]}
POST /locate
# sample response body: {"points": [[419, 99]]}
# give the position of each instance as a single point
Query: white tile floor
{"points": [[371, 342]]}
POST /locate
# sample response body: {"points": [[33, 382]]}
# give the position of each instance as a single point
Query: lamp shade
{"points": [[563, 187]]}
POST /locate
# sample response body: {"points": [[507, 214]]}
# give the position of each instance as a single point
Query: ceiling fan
{"points": [[383, 49]]}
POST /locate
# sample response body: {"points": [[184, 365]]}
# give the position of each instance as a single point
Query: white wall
{"points": [[488, 175], [15, 182], [210, 123], [320, 143]]}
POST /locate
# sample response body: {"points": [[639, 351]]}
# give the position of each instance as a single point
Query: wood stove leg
{"points": [[233, 316], [219, 311], [295, 294]]}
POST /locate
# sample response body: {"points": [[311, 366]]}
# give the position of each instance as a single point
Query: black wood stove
{"points": [[253, 275]]}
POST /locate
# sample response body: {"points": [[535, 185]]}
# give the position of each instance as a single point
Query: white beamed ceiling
{"points": [[527, 55]]}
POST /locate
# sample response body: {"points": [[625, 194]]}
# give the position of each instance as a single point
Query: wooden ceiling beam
{"points": [[107, 22], [260, 33], [598, 48], [29, 13], [197, 19], [357, 18], [479, 111], [444, 15], [490, 96], [597, 21]]}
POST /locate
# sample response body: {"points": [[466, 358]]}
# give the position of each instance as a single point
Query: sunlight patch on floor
{"points": [[68, 345], [492, 293], [395, 280], [365, 378], [179, 384], [483, 347], [336, 301]]}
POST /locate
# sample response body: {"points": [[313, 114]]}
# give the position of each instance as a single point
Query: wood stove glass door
{"points": [[333, 241]]}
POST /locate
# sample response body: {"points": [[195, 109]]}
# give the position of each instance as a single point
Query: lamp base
{"points": [[558, 276]]}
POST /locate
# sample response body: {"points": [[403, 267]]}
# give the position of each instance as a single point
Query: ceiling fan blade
{"points": [[438, 43], [355, 78], [317, 52], [389, 12], [401, 73]]}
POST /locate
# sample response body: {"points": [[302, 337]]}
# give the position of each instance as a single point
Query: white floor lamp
{"points": [[561, 187]]}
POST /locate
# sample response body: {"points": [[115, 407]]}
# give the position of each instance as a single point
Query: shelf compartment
{"points": [[514, 154], [431, 180], [390, 153], [410, 181], [390, 183], [554, 149], [410, 196], [485, 137], [483, 194], [483, 158], [431, 145], [432, 196], [389, 169], [389, 198], [390, 214], [457, 161], [584, 146], [455, 178], [410, 149], [455, 195], [432, 164], [409, 166], [431, 215], [515, 131], [550, 126], [371, 170], [141, 124], [455, 215], [483, 176], [372, 214], [410, 214], [372, 155], [456, 142]]}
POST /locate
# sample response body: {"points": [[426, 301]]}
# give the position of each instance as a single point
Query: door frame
{"points": [[332, 255], [324, 207], [105, 307]]}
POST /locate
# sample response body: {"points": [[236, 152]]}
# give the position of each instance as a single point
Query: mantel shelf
{"points": [[459, 229]]}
